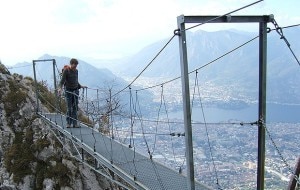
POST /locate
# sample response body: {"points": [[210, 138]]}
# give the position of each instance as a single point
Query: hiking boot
{"points": [[68, 126]]}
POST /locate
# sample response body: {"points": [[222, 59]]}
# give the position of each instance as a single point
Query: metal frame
{"points": [[35, 81], [262, 20]]}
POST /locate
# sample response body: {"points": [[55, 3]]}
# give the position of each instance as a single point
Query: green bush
{"points": [[13, 100], [29, 78], [57, 144], [3, 69], [18, 158], [41, 144], [59, 173], [41, 170], [47, 98]]}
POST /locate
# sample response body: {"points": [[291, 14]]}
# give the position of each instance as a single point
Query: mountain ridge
{"points": [[240, 67], [206, 53]]}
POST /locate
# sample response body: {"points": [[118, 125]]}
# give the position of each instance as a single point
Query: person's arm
{"points": [[81, 86], [62, 82]]}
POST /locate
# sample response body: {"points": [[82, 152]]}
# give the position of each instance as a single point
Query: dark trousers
{"points": [[72, 105]]}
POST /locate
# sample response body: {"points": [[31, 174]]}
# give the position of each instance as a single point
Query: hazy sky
{"points": [[111, 28]]}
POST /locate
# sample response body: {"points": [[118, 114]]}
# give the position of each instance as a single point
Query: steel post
{"points": [[262, 104], [186, 104], [55, 86], [36, 88]]}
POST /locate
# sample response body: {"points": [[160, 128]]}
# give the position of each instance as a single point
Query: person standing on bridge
{"points": [[69, 81]]}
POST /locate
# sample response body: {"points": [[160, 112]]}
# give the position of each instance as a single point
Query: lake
{"points": [[275, 113]]}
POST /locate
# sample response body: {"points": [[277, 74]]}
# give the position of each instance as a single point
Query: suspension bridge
{"points": [[133, 169], [139, 171]]}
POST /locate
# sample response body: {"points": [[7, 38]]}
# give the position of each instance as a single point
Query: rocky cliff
{"points": [[31, 156]]}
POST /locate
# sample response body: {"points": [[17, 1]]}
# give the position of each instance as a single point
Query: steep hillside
{"points": [[31, 157]]}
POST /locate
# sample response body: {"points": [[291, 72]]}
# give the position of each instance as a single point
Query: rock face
{"points": [[31, 156]]}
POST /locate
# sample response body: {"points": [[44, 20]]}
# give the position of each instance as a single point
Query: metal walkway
{"points": [[139, 171]]}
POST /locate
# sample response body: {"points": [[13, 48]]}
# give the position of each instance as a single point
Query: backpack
{"points": [[66, 67]]}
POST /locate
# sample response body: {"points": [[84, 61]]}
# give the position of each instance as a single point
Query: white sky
{"points": [[105, 29]]}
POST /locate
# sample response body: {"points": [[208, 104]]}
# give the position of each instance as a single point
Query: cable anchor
{"points": [[280, 32], [177, 32]]}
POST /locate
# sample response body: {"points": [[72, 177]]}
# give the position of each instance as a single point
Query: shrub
{"points": [[3, 69], [47, 98], [18, 158], [13, 100], [41, 144]]}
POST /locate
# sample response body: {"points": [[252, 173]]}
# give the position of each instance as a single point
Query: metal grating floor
{"points": [[140, 169]]}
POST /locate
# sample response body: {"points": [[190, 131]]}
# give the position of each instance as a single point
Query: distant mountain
{"points": [[237, 70], [110, 64], [236, 73], [204, 47]]}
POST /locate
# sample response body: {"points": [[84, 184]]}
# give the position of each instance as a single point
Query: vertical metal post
{"points": [[98, 103], [55, 85], [110, 125], [262, 104], [293, 181], [36, 88], [186, 104], [82, 154]]}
